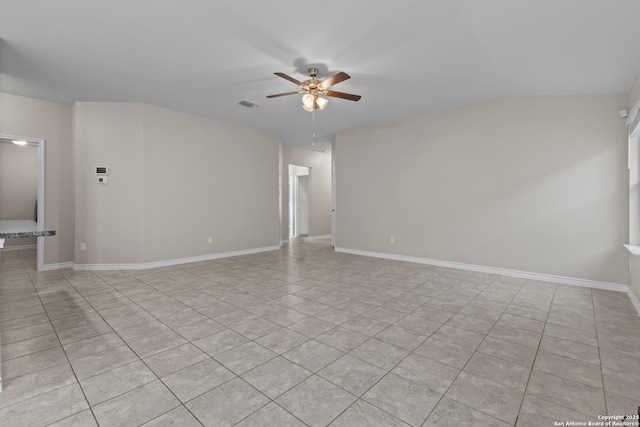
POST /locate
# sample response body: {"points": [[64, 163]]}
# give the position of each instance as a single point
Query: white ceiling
{"points": [[405, 57]]}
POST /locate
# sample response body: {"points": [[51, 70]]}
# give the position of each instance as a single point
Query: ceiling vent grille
{"points": [[248, 104]]}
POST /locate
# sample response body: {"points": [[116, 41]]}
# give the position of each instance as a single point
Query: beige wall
{"points": [[319, 192], [109, 218], [634, 262], [175, 180], [535, 184], [533, 178], [204, 178], [28, 117]]}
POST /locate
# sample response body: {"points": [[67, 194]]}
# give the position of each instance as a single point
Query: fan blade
{"points": [[283, 94], [335, 79], [291, 79], [343, 95]]}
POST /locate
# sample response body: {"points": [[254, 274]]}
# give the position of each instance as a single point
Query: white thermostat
{"points": [[102, 170]]}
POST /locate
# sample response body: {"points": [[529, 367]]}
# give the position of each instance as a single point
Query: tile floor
{"points": [[305, 336]]}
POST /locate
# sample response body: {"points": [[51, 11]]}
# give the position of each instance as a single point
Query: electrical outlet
{"points": [[83, 246], [210, 239], [392, 239]]}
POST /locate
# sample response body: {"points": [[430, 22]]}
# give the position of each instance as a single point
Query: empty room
{"points": [[245, 213]]}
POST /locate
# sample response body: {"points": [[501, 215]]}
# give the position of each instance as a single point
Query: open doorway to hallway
{"points": [[299, 200]]}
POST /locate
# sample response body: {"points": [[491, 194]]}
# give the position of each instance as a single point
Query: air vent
{"points": [[248, 104]]}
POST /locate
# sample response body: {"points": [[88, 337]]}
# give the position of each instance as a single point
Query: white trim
{"points": [[284, 242], [635, 250], [634, 300], [333, 203], [618, 287], [41, 192], [59, 266], [632, 114], [319, 237], [170, 262], [18, 247], [41, 203]]}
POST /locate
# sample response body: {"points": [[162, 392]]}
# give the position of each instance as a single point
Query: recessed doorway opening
{"points": [[24, 155], [299, 195]]}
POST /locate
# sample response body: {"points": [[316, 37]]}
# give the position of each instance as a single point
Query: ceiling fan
{"points": [[313, 87]]}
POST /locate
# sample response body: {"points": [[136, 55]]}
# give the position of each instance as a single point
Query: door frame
{"points": [[306, 211], [333, 204], [41, 192], [294, 219]]}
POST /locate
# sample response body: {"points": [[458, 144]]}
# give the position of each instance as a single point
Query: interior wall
{"points": [[204, 178], [18, 185], [51, 121], [109, 218], [535, 184], [175, 180], [319, 190], [634, 262]]}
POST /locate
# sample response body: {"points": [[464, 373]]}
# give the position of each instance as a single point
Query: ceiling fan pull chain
{"points": [[313, 127]]}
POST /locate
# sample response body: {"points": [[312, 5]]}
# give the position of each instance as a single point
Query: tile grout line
{"points": [[533, 364], [189, 342], [66, 355], [211, 357], [476, 350], [325, 332], [604, 391], [134, 352], [251, 287], [559, 376], [316, 373], [409, 354]]}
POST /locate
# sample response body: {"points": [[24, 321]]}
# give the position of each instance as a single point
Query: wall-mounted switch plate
{"points": [[83, 246], [102, 180]]}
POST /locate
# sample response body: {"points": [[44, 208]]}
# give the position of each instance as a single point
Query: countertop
{"points": [[11, 229]]}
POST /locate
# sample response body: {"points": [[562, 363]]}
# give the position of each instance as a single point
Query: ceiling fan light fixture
{"points": [[321, 102], [308, 100], [312, 88]]}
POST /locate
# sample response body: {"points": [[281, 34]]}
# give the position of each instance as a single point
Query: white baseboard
{"points": [[18, 248], [618, 287], [319, 237], [634, 300], [170, 262], [58, 266]]}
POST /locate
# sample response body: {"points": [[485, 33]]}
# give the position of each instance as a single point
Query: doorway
{"points": [[333, 204], [19, 199], [299, 195]]}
